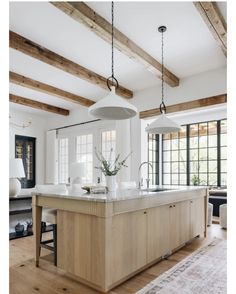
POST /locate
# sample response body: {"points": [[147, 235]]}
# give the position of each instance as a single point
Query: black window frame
{"points": [[178, 137], [153, 173], [27, 183], [188, 177], [199, 161]]}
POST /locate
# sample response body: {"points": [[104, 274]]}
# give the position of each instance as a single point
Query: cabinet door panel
{"points": [[197, 211], [81, 245], [179, 223], [174, 231], [184, 221], [129, 239], [157, 232]]}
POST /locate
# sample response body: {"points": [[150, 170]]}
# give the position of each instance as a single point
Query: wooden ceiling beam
{"points": [[100, 26], [209, 101], [215, 22], [37, 105], [34, 50], [47, 89]]}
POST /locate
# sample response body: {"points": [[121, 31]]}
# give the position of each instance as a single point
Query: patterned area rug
{"points": [[203, 272]]}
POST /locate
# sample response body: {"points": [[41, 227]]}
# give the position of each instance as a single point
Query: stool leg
{"points": [[37, 217], [41, 233], [55, 243]]}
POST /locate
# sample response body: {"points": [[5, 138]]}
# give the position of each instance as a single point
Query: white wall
{"points": [[37, 130], [78, 115], [136, 147], [195, 87]]}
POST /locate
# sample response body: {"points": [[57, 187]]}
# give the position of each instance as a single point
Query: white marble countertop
{"points": [[121, 194]]}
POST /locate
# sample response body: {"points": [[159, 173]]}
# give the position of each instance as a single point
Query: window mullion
{"points": [[218, 154], [157, 160], [188, 155]]}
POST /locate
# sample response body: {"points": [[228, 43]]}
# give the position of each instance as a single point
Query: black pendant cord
{"points": [[162, 68], [112, 39], [162, 29], [112, 77]]}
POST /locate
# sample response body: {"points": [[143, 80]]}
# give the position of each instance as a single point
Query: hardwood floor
{"points": [[25, 278]]}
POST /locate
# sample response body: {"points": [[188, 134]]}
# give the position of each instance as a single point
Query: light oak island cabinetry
{"points": [[158, 237], [197, 213], [105, 239], [129, 243]]}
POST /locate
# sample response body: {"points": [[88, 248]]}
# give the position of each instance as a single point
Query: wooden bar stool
{"points": [[49, 216]]}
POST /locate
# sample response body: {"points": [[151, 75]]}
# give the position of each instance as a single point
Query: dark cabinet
{"points": [[25, 149], [217, 197], [21, 212]]}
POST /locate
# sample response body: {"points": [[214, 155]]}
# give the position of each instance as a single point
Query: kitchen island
{"points": [[104, 239]]}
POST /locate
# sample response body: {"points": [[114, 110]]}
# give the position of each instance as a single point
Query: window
{"points": [[84, 153], [153, 158], [196, 155], [63, 160], [174, 158], [25, 149], [203, 153], [223, 153], [108, 143]]}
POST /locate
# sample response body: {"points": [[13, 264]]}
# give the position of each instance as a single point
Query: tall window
{"points": [[84, 153], [196, 155], [108, 143], [174, 158], [153, 158], [203, 153], [63, 160]]}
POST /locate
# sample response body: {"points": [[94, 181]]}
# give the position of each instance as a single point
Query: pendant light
{"points": [[162, 124], [112, 107]]}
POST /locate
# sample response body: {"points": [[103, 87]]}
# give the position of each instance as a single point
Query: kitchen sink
{"points": [[156, 190]]}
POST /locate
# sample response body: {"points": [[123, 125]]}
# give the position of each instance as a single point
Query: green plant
{"points": [[109, 167], [195, 180]]}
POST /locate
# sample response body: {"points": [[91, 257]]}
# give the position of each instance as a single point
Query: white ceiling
{"points": [[189, 46]]}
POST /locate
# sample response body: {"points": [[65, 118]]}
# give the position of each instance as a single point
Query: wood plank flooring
{"points": [[25, 278]]}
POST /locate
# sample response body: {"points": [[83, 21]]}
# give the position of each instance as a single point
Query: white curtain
{"points": [[51, 158]]}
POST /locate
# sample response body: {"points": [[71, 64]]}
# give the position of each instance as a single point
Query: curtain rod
{"points": [[78, 124]]}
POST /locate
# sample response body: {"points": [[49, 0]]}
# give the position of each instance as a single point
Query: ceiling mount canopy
{"points": [[162, 124], [112, 107]]}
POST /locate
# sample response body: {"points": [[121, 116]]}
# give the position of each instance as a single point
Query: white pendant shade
{"points": [[163, 125], [112, 107]]}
